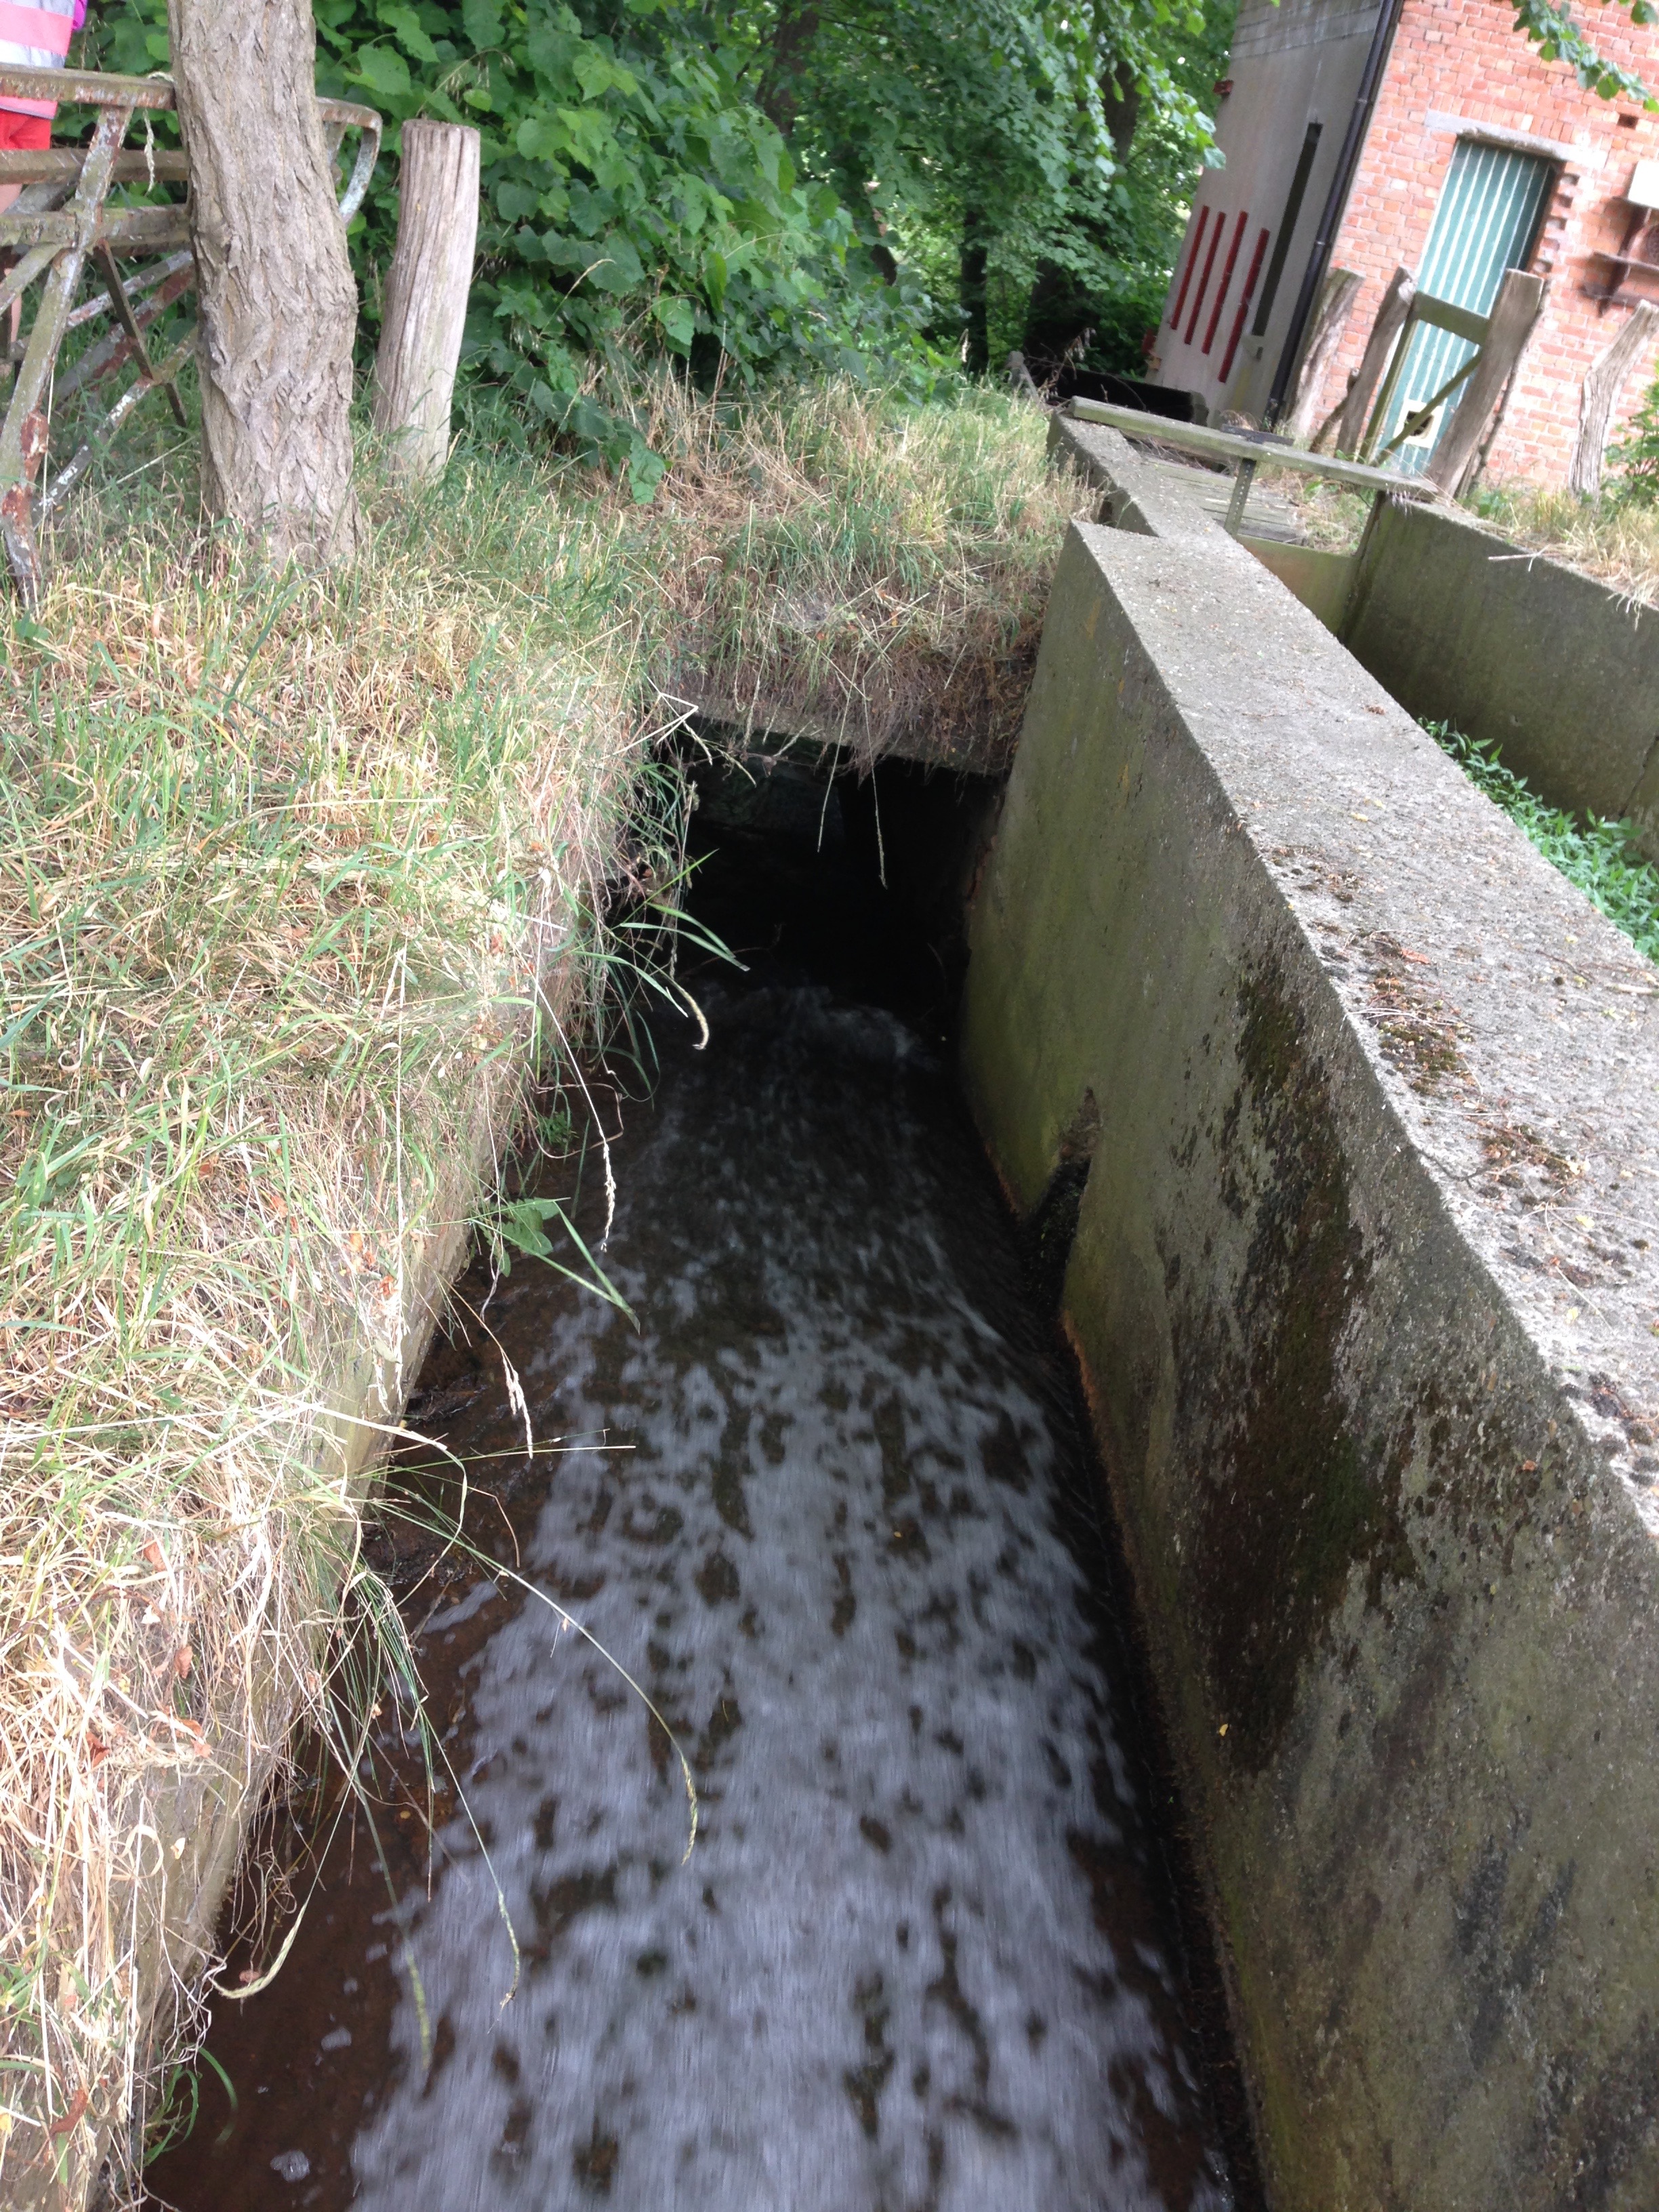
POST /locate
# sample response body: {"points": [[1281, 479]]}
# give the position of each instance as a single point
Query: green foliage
{"points": [[750, 187], [1551, 26], [636, 203], [996, 136], [1634, 481], [761, 188], [1596, 854]]}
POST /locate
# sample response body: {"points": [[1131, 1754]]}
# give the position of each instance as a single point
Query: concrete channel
{"points": [[1328, 1108]]}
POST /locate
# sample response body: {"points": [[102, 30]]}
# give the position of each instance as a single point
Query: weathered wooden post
{"points": [[1520, 300], [1385, 331], [426, 293], [1602, 386], [1336, 300]]}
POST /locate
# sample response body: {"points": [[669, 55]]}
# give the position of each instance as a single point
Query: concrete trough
{"points": [[1355, 1098], [1560, 672]]}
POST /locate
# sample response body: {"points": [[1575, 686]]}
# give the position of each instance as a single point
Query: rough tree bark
{"points": [[1602, 386], [792, 38], [278, 306], [973, 262], [426, 291]]}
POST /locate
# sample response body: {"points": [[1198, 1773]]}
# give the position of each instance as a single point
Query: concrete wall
{"points": [[1558, 669], [1364, 1286], [1459, 626]]}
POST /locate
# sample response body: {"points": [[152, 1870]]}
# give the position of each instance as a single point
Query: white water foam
{"points": [[910, 1961]]}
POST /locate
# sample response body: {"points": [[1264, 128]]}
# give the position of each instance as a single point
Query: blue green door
{"points": [[1485, 224]]}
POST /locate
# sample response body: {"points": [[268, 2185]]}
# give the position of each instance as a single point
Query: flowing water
{"points": [[831, 1510]]}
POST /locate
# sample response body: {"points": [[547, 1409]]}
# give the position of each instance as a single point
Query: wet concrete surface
{"points": [[824, 1497]]}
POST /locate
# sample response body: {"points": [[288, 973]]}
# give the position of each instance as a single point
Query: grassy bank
{"points": [[300, 880], [294, 872], [860, 571]]}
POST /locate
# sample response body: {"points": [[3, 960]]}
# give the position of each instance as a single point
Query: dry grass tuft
{"points": [[1618, 545], [836, 564]]}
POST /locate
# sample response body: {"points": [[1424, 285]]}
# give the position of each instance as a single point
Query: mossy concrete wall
{"points": [[1560, 671], [1364, 1289]]}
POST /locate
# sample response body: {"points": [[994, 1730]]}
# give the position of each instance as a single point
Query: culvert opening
{"points": [[825, 1493]]}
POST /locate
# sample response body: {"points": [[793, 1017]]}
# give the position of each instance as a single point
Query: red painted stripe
{"points": [[1243, 307], [1192, 263], [1204, 281], [35, 28], [1226, 279]]}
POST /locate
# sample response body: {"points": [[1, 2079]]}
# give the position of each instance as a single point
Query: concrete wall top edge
{"points": [[1513, 1030]]}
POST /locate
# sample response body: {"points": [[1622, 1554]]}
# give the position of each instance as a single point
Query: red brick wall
{"points": [[1464, 57]]}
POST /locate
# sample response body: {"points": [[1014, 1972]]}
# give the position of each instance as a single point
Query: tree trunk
{"points": [[1602, 386], [792, 38], [278, 306], [426, 293], [1330, 319], [977, 349], [1122, 97]]}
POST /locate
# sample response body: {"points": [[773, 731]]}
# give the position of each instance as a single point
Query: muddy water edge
{"points": [[828, 1496]]}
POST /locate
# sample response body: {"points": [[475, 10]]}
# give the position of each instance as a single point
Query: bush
{"points": [[636, 204]]}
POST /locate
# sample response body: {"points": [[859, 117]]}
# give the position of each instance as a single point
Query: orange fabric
{"points": [[24, 134]]}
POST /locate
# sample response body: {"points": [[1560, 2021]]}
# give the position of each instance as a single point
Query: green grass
{"points": [[1594, 853]]}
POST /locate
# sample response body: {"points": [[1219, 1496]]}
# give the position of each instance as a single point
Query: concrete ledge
{"points": [[1559, 669], [1364, 1285], [1134, 499]]}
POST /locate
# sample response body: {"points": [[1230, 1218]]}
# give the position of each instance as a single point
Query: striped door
{"points": [[1485, 224]]}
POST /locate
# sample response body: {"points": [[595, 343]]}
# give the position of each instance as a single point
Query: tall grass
{"points": [[301, 877], [295, 873], [1610, 539], [845, 565]]}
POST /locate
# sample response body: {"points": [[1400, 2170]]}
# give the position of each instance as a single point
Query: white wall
{"points": [[1291, 65]]}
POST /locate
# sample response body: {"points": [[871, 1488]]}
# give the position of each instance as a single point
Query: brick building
{"points": [[1475, 156]]}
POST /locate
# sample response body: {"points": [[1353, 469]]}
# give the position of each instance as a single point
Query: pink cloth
{"points": [[40, 31], [37, 28]]}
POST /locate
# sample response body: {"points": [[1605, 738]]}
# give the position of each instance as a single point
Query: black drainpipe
{"points": [[1347, 161]]}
